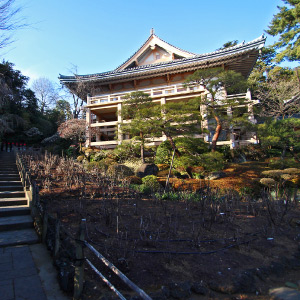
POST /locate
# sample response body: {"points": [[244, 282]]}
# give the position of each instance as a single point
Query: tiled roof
{"points": [[151, 36], [198, 59]]}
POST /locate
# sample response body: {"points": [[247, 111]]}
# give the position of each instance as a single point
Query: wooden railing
{"points": [[153, 92], [47, 224]]}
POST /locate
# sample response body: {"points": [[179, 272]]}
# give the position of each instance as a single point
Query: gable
{"points": [[154, 50]]}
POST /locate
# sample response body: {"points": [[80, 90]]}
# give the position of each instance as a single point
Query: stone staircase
{"points": [[16, 224]]}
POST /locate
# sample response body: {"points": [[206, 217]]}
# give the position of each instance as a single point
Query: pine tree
{"points": [[217, 83], [285, 25]]}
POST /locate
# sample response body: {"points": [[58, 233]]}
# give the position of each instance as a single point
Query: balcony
{"points": [[158, 92]]}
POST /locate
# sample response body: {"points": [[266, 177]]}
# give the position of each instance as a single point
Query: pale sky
{"points": [[99, 35]]}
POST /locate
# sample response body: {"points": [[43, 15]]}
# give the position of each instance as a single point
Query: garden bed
{"points": [[208, 244]]}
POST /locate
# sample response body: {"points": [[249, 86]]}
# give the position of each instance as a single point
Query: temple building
{"points": [[159, 69]]}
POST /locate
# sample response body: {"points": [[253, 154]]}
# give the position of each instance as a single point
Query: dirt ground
{"points": [[217, 246]]}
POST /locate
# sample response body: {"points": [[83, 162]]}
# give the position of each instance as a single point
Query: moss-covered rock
{"points": [[118, 170]]}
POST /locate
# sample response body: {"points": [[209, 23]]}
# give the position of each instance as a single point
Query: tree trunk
{"points": [[170, 139], [297, 74], [217, 134], [142, 148]]}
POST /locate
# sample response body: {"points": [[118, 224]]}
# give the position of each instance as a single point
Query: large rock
{"points": [[215, 175], [147, 169]]}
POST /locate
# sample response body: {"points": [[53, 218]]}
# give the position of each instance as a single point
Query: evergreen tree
{"points": [[137, 107], [285, 25], [217, 83]]}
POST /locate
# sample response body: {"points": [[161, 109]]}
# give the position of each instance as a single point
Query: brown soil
{"points": [[234, 247]]}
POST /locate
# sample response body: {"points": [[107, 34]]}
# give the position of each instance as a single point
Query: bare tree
{"points": [[279, 94], [45, 92], [78, 92], [8, 21]]}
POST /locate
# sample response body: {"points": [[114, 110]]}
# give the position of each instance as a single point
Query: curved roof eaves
{"points": [[238, 49]]}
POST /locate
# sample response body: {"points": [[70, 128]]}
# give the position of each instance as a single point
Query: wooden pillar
{"points": [[79, 266], [120, 120], [163, 102], [250, 107], [88, 123]]}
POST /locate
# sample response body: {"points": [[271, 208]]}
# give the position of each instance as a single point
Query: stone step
{"points": [[11, 182], [11, 188], [18, 237], [15, 223], [13, 194], [9, 211], [4, 202], [9, 176], [5, 167], [12, 178]]}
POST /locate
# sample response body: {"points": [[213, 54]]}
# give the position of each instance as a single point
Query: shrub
{"points": [[268, 182], [99, 155], [292, 171], [133, 163], [108, 161], [151, 182], [142, 188], [279, 163], [97, 165], [212, 161], [189, 147], [173, 196], [226, 151], [276, 174], [126, 151], [163, 153], [118, 170], [80, 158], [253, 152]]}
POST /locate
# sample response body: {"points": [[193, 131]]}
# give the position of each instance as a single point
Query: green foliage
{"points": [[229, 44], [137, 107], [281, 134], [142, 188], [189, 148], [80, 158], [276, 163], [163, 153], [99, 155], [251, 152], [151, 182], [171, 195], [18, 108], [218, 81], [212, 161], [120, 171], [127, 150], [99, 166], [285, 25]]}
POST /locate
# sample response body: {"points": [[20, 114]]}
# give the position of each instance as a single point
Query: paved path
{"points": [[19, 279], [26, 269]]}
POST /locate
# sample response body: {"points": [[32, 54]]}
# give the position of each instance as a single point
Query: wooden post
{"points": [[57, 241], [169, 174], [45, 228], [79, 269]]}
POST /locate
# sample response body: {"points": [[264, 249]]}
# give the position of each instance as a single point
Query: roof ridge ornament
{"points": [[152, 31]]}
